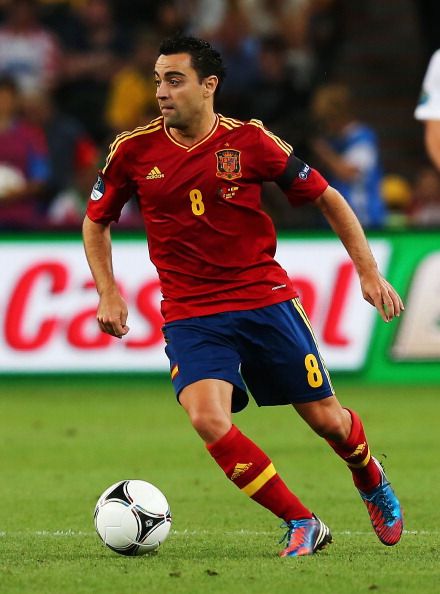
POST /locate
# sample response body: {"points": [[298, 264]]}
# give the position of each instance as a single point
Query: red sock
{"points": [[253, 472], [356, 453]]}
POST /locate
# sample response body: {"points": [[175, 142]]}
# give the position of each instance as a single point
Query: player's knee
{"points": [[200, 420], [335, 428], [210, 425]]}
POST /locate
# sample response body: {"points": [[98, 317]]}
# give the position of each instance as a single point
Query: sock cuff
{"points": [[216, 448], [357, 430]]}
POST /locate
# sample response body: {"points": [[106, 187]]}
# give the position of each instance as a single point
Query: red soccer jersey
{"points": [[211, 242]]}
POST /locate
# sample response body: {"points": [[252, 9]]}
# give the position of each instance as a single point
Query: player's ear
{"points": [[210, 84]]}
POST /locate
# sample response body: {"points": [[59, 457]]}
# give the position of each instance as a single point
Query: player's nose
{"points": [[161, 92]]}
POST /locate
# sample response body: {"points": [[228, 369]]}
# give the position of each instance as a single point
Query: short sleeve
{"points": [[277, 162], [111, 190], [270, 152], [300, 182], [428, 107]]}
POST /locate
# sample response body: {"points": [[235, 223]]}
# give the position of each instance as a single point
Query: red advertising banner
{"points": [[48, 306]]}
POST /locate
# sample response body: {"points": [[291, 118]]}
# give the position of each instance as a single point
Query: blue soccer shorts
{"points": [[270, 352]]}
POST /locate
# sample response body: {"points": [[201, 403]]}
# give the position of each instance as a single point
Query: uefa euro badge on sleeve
{"points": [[98, 189]]}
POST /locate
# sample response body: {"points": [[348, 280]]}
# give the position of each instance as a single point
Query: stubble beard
{"points": [[174, 121]]}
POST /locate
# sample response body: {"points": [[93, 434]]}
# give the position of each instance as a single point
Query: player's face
{"points": [[180, 94]]}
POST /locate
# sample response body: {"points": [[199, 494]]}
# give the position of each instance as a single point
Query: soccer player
{"points": [[428, 109], [233, 320]]}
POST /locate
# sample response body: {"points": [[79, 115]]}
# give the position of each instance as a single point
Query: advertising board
{"points": [[48, 305]]}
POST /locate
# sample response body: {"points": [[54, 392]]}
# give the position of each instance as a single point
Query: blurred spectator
{"points": [[28, 51], [58, 15], [274, 99], [289, 20], [397, 193], [73, 157], [349, 153], [171, 18], [24, 163], [204, 16], [96, 48], [132, 96], [425, 207], [326, 34], [239, 49], [428, 108]]}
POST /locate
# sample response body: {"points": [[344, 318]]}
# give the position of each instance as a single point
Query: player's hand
{"points": [[112, 314], [383, 296]]}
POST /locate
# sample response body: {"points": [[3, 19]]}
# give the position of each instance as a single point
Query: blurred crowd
{"points": [[73, 73]]}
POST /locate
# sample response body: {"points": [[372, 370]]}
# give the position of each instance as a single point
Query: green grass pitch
{"points": [[64, 440]]}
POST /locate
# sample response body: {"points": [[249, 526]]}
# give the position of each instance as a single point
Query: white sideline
{"points": [[72, 533]]}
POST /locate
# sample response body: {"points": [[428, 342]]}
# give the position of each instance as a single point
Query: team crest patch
{"points": [[228, 164], [98, 189]]}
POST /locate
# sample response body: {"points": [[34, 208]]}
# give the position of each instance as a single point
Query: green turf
{"points": [[63, 441]]}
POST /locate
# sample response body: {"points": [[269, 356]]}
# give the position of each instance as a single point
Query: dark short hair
{"points": [[205, 60]]}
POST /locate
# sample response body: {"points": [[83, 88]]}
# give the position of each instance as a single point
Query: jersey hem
{"points": [[298, 399], [196, 312]]}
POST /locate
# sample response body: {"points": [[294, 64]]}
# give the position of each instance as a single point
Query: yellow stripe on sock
{"points": [[260, 481], [361, 464]]}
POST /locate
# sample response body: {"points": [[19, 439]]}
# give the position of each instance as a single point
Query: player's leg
{"points": [[298, 375], [278, 365], [205, 375], [344, 431], [208, 404]]}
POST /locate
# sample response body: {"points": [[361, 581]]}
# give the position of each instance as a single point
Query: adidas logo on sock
{"points": [[155, 173], [239, 470]]}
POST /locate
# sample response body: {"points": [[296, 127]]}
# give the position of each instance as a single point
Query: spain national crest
{"points": [[228, 164]]}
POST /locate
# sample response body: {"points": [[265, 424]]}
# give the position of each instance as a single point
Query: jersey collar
{"points": [[204, 139]]}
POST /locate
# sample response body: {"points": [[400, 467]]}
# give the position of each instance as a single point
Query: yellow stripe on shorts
{"points": [[174, 371], [299, 308]]}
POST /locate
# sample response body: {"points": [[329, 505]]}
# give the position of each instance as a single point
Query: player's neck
{"points": [[197, 131]]}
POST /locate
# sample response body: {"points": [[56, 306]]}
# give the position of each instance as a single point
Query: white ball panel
{"points": [[158, 535], [116, 524], [147, 496]]}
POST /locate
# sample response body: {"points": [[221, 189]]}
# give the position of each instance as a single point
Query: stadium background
{"points": [[378, 50], [80, 410]]}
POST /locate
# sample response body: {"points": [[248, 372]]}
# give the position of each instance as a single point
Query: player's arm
{"points": [[112, 310], [303, 184], [375, 289], [432, 141]]}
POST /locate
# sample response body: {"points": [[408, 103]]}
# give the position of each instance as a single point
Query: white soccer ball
{"points": [[132, 517]]}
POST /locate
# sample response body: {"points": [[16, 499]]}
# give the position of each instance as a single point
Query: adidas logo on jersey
{"points": [[155, 173]]}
